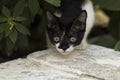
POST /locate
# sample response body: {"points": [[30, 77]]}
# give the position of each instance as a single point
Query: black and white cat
{"points": [[68, 30]]}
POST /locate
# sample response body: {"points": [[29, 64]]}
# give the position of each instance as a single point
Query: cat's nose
{"points": [[63, 47]]}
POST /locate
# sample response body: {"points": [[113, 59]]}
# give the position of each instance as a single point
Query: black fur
{"points": [[72, 23], [70, 10]]}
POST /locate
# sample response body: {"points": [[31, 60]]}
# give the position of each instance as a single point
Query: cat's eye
{"points": [[73, 39], [56, 39]]}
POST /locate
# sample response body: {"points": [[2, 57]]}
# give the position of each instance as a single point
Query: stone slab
{"points": [[94, 63]]}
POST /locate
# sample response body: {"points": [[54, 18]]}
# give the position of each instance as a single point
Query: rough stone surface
{"points": [[94, 63]]}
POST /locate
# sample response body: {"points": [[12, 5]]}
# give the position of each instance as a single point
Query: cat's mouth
{"points": [[64, 51]]}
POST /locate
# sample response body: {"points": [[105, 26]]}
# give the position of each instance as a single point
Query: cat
{"points": [[66, 31]]}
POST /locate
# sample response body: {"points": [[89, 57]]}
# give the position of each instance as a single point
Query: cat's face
{"points": [[66, 37]]}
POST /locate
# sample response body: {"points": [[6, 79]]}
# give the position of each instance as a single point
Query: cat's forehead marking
{"points": [[63, 35]]}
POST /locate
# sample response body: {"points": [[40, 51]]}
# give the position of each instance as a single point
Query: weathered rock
{"points": [[94, 63]]}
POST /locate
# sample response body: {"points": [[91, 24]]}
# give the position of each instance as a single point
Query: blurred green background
{"points": [[22, 25], [112, 9]]}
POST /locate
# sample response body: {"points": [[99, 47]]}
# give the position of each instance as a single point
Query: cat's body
{"points": [[66, 36]]}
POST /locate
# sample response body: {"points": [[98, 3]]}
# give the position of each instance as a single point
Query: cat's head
{"points": [[66, 37]]}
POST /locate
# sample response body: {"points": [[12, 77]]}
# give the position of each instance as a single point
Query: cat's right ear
{"points": [[50, 16], [50, 19]]}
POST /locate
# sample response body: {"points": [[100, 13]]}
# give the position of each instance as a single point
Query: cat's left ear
{"points": [[80, 22], [83, 16], [51, 20]]}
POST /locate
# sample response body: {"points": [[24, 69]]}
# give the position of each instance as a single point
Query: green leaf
{"points": [[19, 18], [22, 43], [9, 47], [106, 41], [1, 36], [54, 2], [3, 19], [19, 8], [110, 5], [13, 36], [3, 27], [7, 30], [6, 11], [114, 24], [28, 16], [22, 29], [117, 47], [40, 11], [34, 6]]}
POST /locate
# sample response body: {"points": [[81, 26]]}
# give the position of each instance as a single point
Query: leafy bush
{"points": [[112, 9], [22, 24]]}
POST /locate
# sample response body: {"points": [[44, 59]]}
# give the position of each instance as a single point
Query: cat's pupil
{"points": [[73, 39], [56, 39]]}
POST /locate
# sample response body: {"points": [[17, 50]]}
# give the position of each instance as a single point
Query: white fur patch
{"points": [[58, 14], [57, 45], [70, 49], [58, 49], [67, 51]]}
